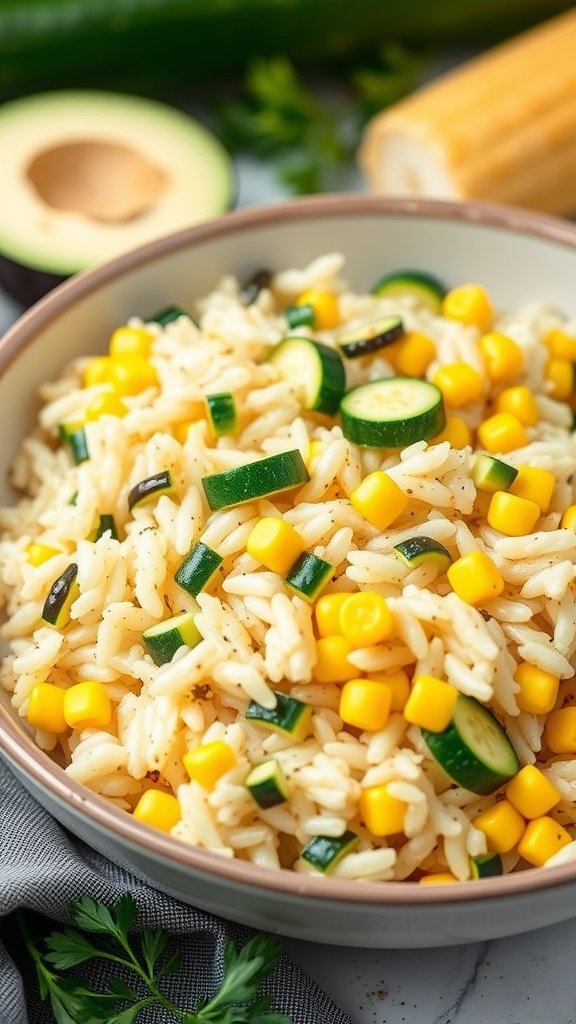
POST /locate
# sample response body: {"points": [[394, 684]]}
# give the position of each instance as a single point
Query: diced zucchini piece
{"points": [[324, 852], [315, 368], [255, 480], [150, 489], [491, 474], [417, 551], [106, 524], [267, 784], [300, 316], [61, 597], [473, 750], [251, 290], [164, 639], [486, 866], [392, 413], [290, 717], [368, 339], [424, 288], [309, 575], [197, 569], [168, 315], [222, 414], [73, 436]]}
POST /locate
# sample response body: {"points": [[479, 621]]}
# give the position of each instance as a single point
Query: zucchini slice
{"points": [[164, 639], [197, 569], [309, 575], [251, 290], [426, 289], [267, 784], [324, 852], [491, 475], [392, 413], [300, 316], [150, 488], [486, 866], [290, 717], [417, 551], [316, 368], [222, 414], [73, 436], [104, 523], [473, 750], [61, 597], [255, 480], [372, 337], [168, 315]]}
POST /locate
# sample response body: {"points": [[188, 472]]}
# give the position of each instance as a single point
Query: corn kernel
{"points": [[534, 485], [560, 376], [475, 578], [456, 431], [132, 375], [512, 515], [413, 354], [315, 449], [365, 704], [365, 619], [532, 793], [106, 404], [568, 521], [561, 345], [37, 554], [325, 305], [439, 878], [332, 665], [503, 356], [502, 826], [46, 708], [469, 304], [127, 342], [382, 813], [87, 706], [459, 384], [502, 433], [275, 543], [379, 499], [542, 839], [431, 703], [327, 612], [97, 371], [208, 762], [538, 689], [560, 731], [519, 402], [158, 809], [398, 684]]}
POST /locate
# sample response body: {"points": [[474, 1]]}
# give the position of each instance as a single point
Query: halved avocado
{"points": [[88, 175]]}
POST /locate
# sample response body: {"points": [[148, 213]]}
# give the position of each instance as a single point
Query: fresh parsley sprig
{"points": [[147, 957]]}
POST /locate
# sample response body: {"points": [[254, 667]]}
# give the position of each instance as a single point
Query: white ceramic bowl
{"points": [[520, 257]]}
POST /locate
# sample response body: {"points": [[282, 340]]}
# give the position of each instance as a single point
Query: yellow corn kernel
{"points": [[315, 448], [459, 384], [502, 826], [127, 342], [568, 521], [561, 345], [535, 485], [542, 839], [46, 708], [158, 809], [365, 704], [325, 305], [87, 706], [37, 554], [332, 665], [532, 793], [379, 499], [106, 404], [413, 354], [327, 612], [398, 684], [439, 878], [475, 578], [538, 689], [560, 731], [560, 376], [208, 762], [365, 619], [502, 433], [469, 304], [512, 515], [275, 543], [456, 431], [502, 355], [97, 371], [519, 402], [431, 703], [132, 375], [382, 813]]}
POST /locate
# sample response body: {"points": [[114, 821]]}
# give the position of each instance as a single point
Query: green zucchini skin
{"points": [[487, 865], [271, 475], [309, 575], [324, 852], [290, 717], [62, 594], [74, 437], [267, 784], [197, 569], [167, 315]]}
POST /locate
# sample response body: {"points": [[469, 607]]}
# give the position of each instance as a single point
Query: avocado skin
{"points": [[26, 284]]}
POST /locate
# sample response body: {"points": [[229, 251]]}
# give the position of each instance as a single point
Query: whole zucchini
{"points": [[72, 42]]}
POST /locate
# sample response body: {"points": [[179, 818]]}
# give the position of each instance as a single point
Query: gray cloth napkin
{"points": [[43, 868]]}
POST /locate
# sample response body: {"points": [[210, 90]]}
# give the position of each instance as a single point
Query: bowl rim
{"points": [[37, 765]]}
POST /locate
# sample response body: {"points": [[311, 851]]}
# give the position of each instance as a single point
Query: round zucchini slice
{"points": [[392, 413], [372, 337], [317, 369], [426, 289], [255, 480]]}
